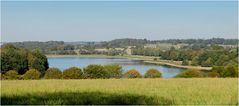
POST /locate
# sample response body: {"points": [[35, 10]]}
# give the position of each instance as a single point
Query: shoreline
{"points": [[179, 66], [145, 59]]}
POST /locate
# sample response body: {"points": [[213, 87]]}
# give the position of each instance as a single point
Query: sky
{"points": [[107, 20]]}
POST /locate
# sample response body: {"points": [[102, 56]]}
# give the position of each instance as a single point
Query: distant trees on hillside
{"points": [[69, 48], [207, 57]]}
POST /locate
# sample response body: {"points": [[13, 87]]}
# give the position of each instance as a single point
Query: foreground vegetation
{"points": [[21, 59], [210, 91]]}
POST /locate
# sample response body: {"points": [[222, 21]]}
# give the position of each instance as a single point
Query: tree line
{"points": [[92, 71], [209, 56], [67, 48]]}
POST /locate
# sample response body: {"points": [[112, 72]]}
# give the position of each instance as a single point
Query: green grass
{"points": [[202, 91]]}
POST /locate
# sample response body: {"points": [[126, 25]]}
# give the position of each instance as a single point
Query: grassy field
{"points": [[121, 91]]}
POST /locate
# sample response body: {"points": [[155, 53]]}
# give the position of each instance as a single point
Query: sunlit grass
{"points": [[121, 91]]}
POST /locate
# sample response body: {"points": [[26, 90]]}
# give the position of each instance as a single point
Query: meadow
{"points": [[210, 91]]}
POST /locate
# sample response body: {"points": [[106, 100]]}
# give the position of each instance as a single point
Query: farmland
{"points": [[121, 91]]}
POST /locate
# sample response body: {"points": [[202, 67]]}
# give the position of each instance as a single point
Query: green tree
{"points": [[194, 61], [113, 70], [32, 74], [222, 60], [230, 71], [185, 62], [189, 74], [95, 71], [37, 60], [132, 74], [153, 73], [207, 63], [12, 74], [13, 58], [72, 73], [53, 73]]}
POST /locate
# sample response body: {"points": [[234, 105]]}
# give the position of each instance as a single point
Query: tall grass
{"points": [[203, 91]]}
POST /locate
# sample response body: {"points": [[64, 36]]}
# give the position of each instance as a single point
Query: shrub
{"points": [[213, 74], [218, 69], [95, 71], [189, 74], [230, 71], [53, 73], [153, 73], [113, 70], [132, 74], [32, 74], [72, 73], [12, 74]]}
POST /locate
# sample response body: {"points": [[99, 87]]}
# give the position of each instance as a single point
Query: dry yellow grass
{"points": [[173, 91]]}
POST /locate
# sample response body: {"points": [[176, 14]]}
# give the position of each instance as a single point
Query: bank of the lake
{"points": [[146, 59], [180, 66]]}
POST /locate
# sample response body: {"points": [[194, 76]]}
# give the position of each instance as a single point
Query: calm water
{"points": [[66, 62]]}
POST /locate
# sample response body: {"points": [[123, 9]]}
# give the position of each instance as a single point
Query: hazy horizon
{"points": [[106, 20], [108, 40]]}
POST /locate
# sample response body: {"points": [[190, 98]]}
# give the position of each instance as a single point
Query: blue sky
{"points": [[100, 21]]}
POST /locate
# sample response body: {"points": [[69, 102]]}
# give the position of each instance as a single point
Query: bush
{"points": [[72, 73], [218, 69], [95, 71], [153, 73], [53, 73], [132, 74], [230, 71], [113, 70], [12, 74], [189, 74], [213, 74], [226, 71], [32, 74]]}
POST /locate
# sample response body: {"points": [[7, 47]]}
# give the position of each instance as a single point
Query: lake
{"points": [[127, 64]]}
